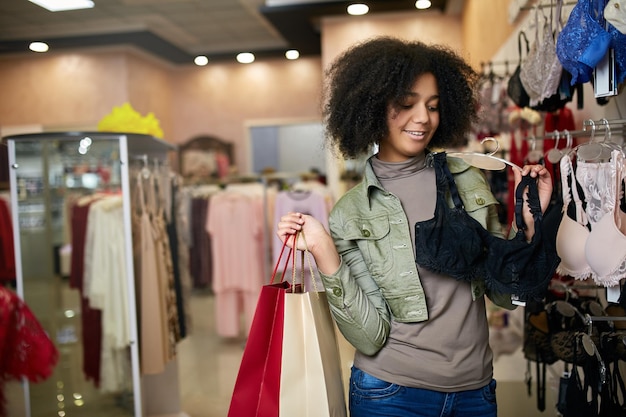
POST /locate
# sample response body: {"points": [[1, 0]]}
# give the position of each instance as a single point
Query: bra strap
{"points": [[570, 178], [533, 202], [442, 164]]}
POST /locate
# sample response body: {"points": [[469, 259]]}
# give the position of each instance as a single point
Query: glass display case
{"points": [[47, 171]]}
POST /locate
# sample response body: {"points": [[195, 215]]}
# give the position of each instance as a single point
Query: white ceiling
{"points": [[177, 30]]}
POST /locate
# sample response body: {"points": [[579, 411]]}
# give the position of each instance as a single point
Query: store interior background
{"points": [[73, 90]]}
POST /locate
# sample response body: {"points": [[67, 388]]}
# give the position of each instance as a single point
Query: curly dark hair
{"points": [[364, 80]]}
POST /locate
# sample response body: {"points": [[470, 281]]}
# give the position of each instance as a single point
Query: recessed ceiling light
{"points": [[38, 47], [358, 9], [201, 60], [292, 54], [63, 5], [245, 58], [422, 4]]}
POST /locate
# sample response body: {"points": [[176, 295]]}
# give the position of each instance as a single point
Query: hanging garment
{"points": [[106, 287], [605, 248], [583, 42], [26, 350], [573, 231], [541, 71], [91, 318], [165, 266], [597, 180], [559, 120], [236, 225], [615, 14], [7, 251], [200, 258], [154, 346]]}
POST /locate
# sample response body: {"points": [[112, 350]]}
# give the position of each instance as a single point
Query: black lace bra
{"points": [[456, 244], [451, 242]]}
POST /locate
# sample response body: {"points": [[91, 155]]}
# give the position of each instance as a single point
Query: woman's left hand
{"points": [[544, 185]]}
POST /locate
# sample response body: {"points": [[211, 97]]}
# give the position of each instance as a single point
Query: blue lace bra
{"points": [[584, 41]]}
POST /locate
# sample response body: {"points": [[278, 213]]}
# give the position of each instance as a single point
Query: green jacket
{"points": [[371, 233]]}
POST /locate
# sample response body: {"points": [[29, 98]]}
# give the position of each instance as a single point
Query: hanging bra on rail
{"points": [[597, 180], [456, 244], [605, 248], [572, 234]]}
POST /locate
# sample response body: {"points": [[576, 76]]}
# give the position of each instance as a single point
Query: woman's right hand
{"points": [[318, 240]]}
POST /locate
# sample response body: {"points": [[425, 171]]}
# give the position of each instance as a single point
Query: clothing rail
{"points": [[546, 5], [590, 127]]}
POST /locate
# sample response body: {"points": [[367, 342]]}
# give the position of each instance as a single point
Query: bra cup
{"points": [[604, 250], [571, 239], [450, 242], [573, 232]]}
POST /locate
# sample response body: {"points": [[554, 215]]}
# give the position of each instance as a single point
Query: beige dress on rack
{"points": [[153, 347]]}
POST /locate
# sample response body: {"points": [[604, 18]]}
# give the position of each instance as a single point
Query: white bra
{"points": [[605, 247]]}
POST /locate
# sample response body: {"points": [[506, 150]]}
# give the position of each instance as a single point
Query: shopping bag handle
{"points": [[286, 260], [308, 255], [292, 255]]}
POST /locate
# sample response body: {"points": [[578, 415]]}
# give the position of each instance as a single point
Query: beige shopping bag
{"points": [[311, 383]]}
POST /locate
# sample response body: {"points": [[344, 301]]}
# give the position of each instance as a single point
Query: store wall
{"points": [[485, 25], [69, 89], [225, 99]]}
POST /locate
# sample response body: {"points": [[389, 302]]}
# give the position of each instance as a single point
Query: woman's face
{"points": [[412, 125]]}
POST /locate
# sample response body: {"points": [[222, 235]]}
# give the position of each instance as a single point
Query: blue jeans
{"points": [[370, 397]]}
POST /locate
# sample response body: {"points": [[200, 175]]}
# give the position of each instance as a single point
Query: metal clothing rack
{"points": [[590, 127]]}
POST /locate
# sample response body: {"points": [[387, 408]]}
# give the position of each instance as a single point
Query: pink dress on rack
{"points": [[235, 223]]}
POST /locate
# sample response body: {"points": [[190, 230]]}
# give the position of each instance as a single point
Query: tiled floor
{"points": [[208, 364]]}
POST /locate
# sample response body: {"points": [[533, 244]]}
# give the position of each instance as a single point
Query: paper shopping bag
{"points": [[311, 383], [257, 387], [291, 364]]}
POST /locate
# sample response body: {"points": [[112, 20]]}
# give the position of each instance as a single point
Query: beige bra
{"points": [[572, 233]]}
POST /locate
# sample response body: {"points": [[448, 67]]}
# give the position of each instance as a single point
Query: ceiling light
{"points": [[292, 54], [245, 58], [201, 60], [422, 4], [358, 9], [38, 47], [63, 5]]}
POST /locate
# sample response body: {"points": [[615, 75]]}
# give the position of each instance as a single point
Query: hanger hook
{"points": [[494, 140], [568, 135], [590, 122], [607, 130], [558, 137]]}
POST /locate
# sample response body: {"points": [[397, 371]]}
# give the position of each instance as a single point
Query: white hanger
{"points": [[485, 160], [555, 154], [597, 151]]}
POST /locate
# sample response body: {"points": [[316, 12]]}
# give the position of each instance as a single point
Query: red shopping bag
{"points": [[291, 364], [257, 387]]}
